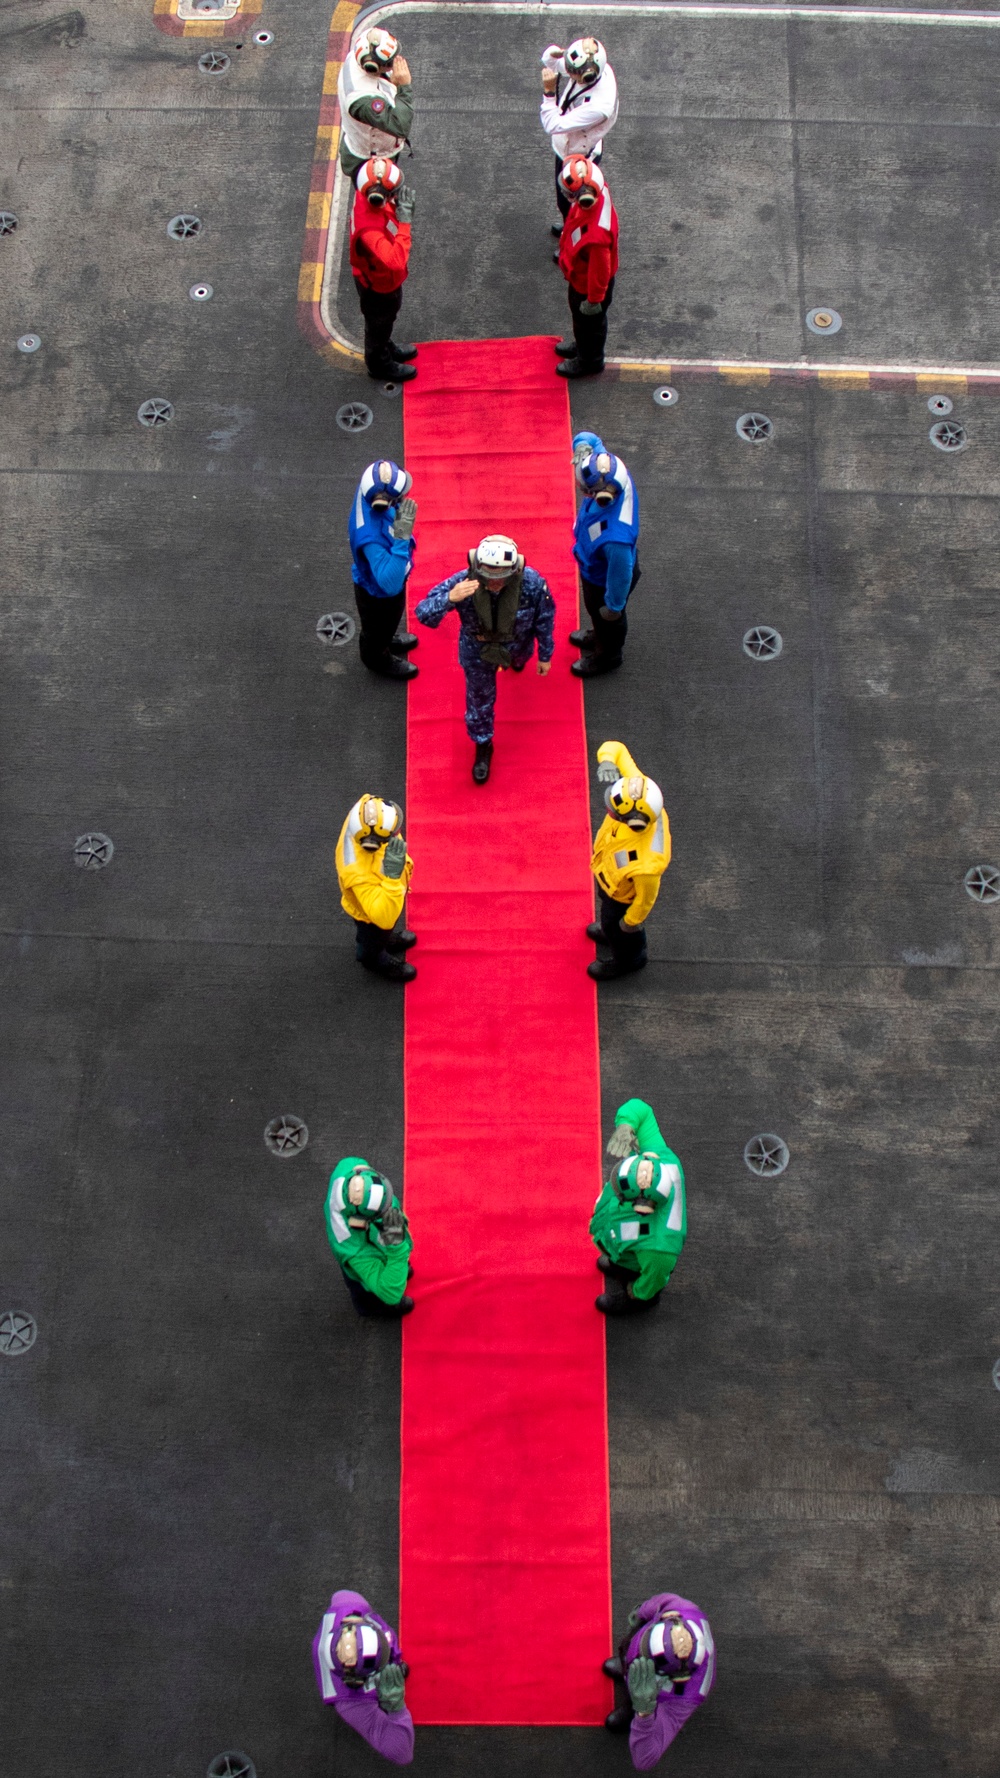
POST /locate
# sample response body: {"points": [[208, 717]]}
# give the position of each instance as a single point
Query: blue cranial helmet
{"points": [[383, 483], [603, 477]]}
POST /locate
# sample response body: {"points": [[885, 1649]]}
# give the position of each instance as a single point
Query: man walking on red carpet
{"points": [[588, 260], [503, 609], [380, 257], [668, 1665], [360, 1671], [631, 853]]}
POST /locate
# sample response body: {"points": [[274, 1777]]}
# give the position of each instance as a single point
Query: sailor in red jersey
{"points": [[380, 253], [588, 260]]}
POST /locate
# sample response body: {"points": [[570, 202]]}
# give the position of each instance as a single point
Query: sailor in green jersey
{"points": [[640, 1219], [370, 1236]]}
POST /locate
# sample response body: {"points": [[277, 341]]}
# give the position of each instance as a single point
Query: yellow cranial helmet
{"points": [[637, 801], [374, 821]]}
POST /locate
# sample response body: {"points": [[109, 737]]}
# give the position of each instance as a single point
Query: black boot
{"points": [[596, 933], [405, 1305], [584, 639], [394, 969], [401, 941], [481, 768], [557, 229], [619, 1720], [606, 1265], [609, 970], [572, 368], [613, 1668], [623, 1304], [590, 665], [402, 643], [391, 371], [402, 354], [389, 666], [566, 349]]}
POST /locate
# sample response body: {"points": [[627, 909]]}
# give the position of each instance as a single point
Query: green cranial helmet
{"points": [[376, 1194], [639, 1177]]}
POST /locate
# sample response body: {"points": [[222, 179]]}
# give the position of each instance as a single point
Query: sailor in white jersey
{"points": [[376, 100], [579, 104]]}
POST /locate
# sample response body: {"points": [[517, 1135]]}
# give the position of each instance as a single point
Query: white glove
{"points": [[607, 772], [553, 58]]}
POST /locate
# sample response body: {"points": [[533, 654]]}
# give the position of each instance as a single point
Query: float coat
{"points": [[380, 246], [588, 248], [650, 1736], [605, 543], [645, 1245], [577, 119], [628, 865], [362, 1252], [380, 562], [390, 1735], [380, 103], [365, 893], [534, 618]]}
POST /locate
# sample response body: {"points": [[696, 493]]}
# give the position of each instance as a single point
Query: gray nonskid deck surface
{"points": [[203, 1440]]}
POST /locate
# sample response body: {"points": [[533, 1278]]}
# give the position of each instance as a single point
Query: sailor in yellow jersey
{"points": [[631, 853], [374, 874]]}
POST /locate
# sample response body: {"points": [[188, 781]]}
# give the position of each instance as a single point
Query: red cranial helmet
{"points": [[581, 180], [379, 179]]}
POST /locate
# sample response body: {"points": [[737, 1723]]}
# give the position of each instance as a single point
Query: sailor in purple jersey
{"points": [[668, 1665], [361, 1672]]}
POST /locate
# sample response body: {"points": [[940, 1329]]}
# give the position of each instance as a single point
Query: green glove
{"points": [[623, 1141], [406, 512], [643, 1685], [391, 1689], [394, 1227], [585, 308], [607, 772], [406, 198], [394, 857]]}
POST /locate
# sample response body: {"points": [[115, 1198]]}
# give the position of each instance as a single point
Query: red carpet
{"points": [[505, 1562]]}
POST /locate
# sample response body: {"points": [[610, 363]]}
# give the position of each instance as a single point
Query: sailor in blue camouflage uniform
{"points": [[504, 608]]}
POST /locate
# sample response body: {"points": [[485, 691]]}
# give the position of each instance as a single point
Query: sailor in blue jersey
{"points": [[605, 544], [382, 546]]}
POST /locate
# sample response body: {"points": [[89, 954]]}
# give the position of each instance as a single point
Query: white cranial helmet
{"points": [[497, 557], [585, 60], [376, 50]]}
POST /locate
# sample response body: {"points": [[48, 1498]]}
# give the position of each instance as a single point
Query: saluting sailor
{"points": [[579, 104], [631, 853], [606, 546], [361, 1672], [668, 1665], [376, 100], [639, 1223]]}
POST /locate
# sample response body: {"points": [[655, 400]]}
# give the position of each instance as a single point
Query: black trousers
{"points": [[590, 331], [626, 946], [565, 205], [372, 940], [379, 618], [368, 1304], [379, 308], [609, 633]]}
